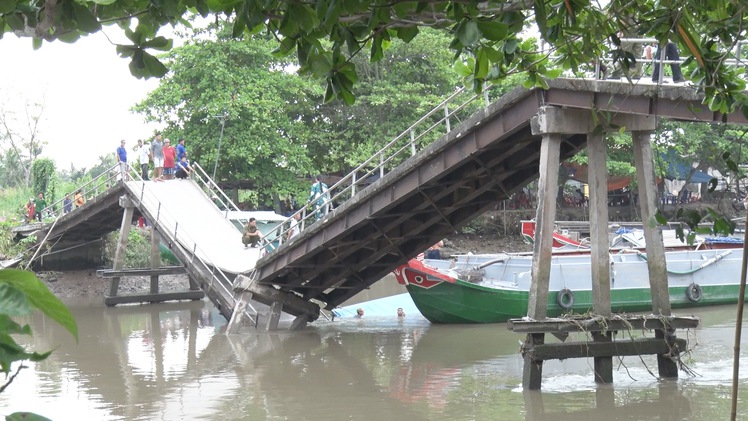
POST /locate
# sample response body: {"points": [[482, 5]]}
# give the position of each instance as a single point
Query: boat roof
{"points": [[260, 216]]}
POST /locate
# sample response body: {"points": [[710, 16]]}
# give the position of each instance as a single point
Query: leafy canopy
{"points": [[325, 34]]}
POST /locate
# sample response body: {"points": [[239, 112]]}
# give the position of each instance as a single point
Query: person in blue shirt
{"points": [[181, 150], [122, 160], [183, 168], [319, 197], [67, 204]]}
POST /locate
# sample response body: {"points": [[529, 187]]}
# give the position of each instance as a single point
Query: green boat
{"points": [[494, 288]]}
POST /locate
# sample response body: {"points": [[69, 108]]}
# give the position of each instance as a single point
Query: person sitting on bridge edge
{"points": [[320, 196], [183, 168], [252, 234]]}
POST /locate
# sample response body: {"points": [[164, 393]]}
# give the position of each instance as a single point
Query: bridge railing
{"points": [[169, 224], [735, 60], [90, 189], [433, 125], [208, 185]]}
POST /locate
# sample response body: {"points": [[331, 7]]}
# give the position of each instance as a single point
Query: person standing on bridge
{"points": [[39, 205], [169, 160], [30, 210], [144, 158], [671, 54], [320, 196], [122, 160], [181, 150], [157, 156], [79, 199], [67, 204]]}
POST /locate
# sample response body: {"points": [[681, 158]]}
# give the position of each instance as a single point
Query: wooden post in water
{"points": [[155, 259], [124, 232], [599, 245], [658, 283]]}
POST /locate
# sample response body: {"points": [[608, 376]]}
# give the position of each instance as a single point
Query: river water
{"points": [[173, 362]]}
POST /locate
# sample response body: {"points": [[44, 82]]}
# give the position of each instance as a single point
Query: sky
{"points": [[86, 89]]}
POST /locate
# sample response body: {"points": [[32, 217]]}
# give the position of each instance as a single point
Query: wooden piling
{"points": [[120, 251]]}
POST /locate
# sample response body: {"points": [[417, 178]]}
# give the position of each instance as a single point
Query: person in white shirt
{"points": [[294, 229], [144, 158]]}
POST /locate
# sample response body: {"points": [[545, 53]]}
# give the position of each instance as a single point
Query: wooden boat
{"points": [[492, 288]]}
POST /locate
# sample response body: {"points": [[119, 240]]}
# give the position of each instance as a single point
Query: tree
{"points": [[276, 132], [21, 139], [326, 34], [238, 88], [44, 174]]}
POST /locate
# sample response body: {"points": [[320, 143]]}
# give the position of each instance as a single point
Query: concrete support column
{"points": [[124, 233], [545, 218], [273, 316], [598, 207], [155, 259], [647, 188], [658, 282]]}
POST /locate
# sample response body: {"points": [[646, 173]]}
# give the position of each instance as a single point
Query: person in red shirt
{"points": [[170, 155]]}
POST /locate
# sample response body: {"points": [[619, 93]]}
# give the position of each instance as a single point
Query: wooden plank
{"points": [[153, 298], [639, 346], [645, 178], [598, 208], [166, 270], [602, 325]]}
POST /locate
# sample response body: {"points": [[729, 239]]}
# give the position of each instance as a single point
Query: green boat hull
{"points": [[463, 302]]}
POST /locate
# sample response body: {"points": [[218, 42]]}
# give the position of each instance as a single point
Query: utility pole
{"points": [[220, 137]]}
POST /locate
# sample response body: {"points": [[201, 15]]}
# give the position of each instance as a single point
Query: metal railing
{"points": [[661, 60], [164, 219], [89, 190], [415, 138], [210, 188]]}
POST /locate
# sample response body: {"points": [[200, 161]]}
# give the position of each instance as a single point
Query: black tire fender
{"points": [[565, 299], [694, 293]]}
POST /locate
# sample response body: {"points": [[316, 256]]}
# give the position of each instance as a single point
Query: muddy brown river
{"points": [[173, 362]]}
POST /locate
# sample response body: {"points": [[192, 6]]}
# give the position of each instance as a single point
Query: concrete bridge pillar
{"points": [[553, 124]]}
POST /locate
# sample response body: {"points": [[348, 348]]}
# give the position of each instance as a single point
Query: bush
{"points": [[138, 253]]}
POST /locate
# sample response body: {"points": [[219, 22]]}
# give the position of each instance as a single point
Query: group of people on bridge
{"points": [[168, 161]]}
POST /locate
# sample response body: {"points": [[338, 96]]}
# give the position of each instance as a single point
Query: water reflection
{"points": [[172, 361]]}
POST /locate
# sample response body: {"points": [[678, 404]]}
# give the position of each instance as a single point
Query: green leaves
{"points": [[143, 65], [38, 296], [467, 33], [7, 6], [20, 293]]}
